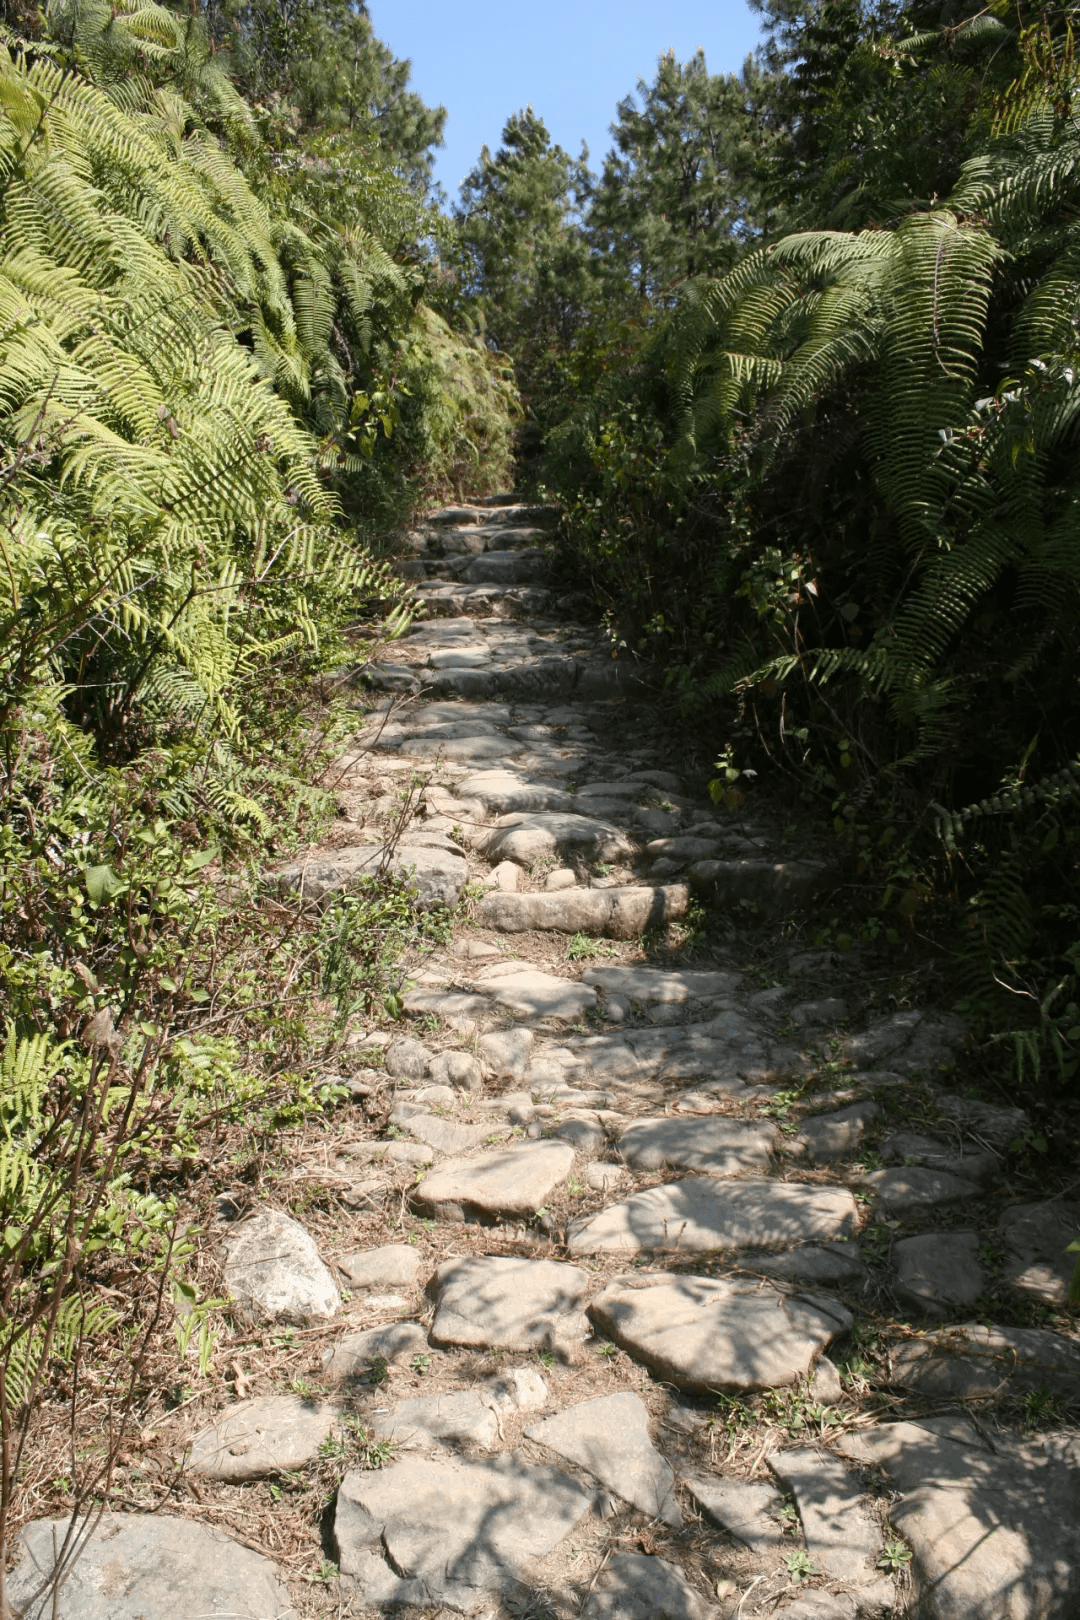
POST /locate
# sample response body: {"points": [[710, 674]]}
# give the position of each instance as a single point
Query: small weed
{"points": [[306, 1390], [800, 1565], [371, 1453], [328, 1571], [574, 1187], [420, 1364], [606, 1349], [895, 1556], [545, 1358], [603, 868], [1041, 1406], [332, 1446], [583, 946]]}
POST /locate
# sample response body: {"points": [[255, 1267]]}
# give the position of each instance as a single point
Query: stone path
{"points": [[647, 1197]]}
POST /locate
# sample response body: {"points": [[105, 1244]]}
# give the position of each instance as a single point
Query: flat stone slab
{"points": [[610, 1437], [634, 1587], [700, 1215], [1036, 1239], [357, 1353], [995, 1123], [511, 790], [829, 1263], [432, 1532], [139, 1566], [436, 876], [468, 1417], [528, 836], [722, 1147], [967, 1160], [745, 1508], [841, 1537], [538, 995], [460, 1415], [617, 913], [274, 1272], [498, 1302], [972, 1360], [266, 1436], [703, 1333], [394, 1265], [939, 1272], [652, 985], [907, 1040], [832, 1136], [995, 1535], [514, 1181], [445, 1135], [916, 1188]]}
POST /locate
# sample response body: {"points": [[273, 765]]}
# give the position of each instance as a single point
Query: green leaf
{"points": [[102, 884]]}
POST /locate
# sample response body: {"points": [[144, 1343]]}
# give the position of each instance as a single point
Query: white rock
{"points": [[274, 1272]]}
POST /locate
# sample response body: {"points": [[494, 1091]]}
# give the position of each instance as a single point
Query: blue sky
{"points": [[573, 60]]}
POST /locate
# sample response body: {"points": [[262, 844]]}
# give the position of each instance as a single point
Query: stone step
{"points": [[618, 913]]}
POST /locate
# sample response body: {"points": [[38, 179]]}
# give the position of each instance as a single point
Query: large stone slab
{"points": [[916, 1188], [357, 1353], [965, 1159], [445, 1135], [995, 1123], [610, 1437], [470, 1417], [829, 1263], [1037, 1237], [266, 1436], [498, 1302], [434, 1532], [722, 1147], [534, 994], [907, 1040], [703, 1333], [632, 1586], [145, 1567], [529, 836], [516, 1181], [274, 1273], [841, 1537], [972, 1361], [460, 1415], [699, 1215], [654, 985], [502, 790], [393, 1265], [746, 1509], [939, 1272], [770, 885], [617, 913], [995, 1535], [436, 876], [832, 1136]]}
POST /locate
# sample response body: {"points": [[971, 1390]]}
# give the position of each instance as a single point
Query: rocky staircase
{"points": [[710, 1306]]}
